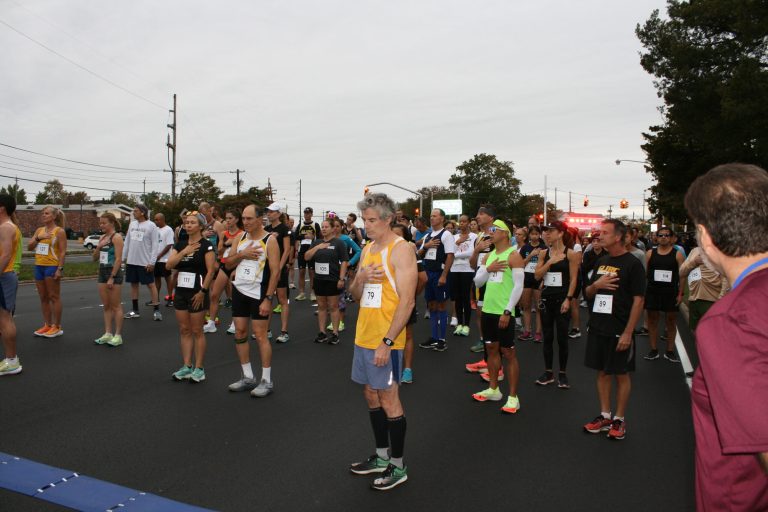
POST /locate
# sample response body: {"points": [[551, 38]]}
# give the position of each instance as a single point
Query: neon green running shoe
{"points": [[512, 405], [104, 338], [278, 309], [116, 341], [488, 394]]}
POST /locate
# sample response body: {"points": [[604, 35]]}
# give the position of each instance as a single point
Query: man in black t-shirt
{"points": [[305, 234], [616, 290], [282, 234]]}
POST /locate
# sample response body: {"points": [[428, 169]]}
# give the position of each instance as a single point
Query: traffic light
{"points": [[416, 212], [586, 202], [540, 216], [623, 203], [365, 191]]}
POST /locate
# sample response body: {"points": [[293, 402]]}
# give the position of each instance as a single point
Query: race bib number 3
{"points": [[42, 249], [103, 257], [603, 304], [371, 296], [186, 280], [323, 269], [662, 276], [554, 279], [431, 254], [694, 276]]}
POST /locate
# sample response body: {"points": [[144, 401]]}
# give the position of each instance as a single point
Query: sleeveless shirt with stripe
{"points": [[14, 250], [252, 286], [374, 322], [49, 258]]}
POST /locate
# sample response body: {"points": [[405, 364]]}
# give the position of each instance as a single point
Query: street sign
{"points": [[449, 206]]}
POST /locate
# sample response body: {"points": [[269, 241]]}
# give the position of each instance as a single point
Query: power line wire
{"points": [[78, 161], [74, 63], [69, 185], [71, 175]]}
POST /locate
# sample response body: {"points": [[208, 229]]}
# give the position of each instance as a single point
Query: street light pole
{"points": [[421, 197]]}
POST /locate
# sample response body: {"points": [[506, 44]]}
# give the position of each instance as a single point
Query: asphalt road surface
{"points": [[115, 414]]}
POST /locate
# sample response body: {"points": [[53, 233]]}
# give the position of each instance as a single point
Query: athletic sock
{"points": [[434, 321], [266, 374], [135, 304], [397, 462], [383, 453], [247, 370], [12, 360], [620, 418], [443, 324], [396, 427], [380, 434], [606, 415]]}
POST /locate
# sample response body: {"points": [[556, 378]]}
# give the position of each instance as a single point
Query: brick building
{"points": [[80, 218]]}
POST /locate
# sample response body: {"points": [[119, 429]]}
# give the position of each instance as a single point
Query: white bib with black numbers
{"points": [[371, 295], [42, 249], [662, 276], [603, 304], [322, 269], [186, 280], [694, 276], [554, 279], [530, 267]]}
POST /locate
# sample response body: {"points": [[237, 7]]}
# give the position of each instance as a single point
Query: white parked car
{"points": [[91, 241]]}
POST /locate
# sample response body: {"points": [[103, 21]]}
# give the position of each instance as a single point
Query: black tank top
{"points": [[564, 268], [663, 272]]}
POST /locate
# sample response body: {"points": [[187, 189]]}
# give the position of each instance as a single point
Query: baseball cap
{"points": [[558, 225], [308, 209], [275, 207]]}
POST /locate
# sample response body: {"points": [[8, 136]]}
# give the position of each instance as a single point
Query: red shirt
{"points": [[730, 400]]}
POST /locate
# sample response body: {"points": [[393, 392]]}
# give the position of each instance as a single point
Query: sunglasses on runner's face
{"points": [[664, 235]]}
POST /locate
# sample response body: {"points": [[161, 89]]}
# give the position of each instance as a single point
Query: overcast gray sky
{"points": [[335, 93]]}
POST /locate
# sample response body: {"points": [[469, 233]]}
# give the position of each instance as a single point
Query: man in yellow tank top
{"points": [[385, 288], [9, 241]]}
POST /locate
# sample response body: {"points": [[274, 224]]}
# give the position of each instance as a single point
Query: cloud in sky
{"points": [[337, 94]]}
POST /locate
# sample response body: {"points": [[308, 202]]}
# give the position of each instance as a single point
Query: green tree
{"points": [[710, 60], [79, 197], [15, 191], [123, 198], [532, 204], [52, 193], [156, 201], [254, 195], [485, 179], [199, 188]]}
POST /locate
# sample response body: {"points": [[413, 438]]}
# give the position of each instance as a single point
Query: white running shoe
{"points": [[210, 326]]}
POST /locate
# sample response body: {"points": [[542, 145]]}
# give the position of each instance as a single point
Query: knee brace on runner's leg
{"points": [[239, 341]]}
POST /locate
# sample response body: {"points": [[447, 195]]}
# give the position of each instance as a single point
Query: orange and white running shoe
{"points": [[476, 367], [41, 331]]}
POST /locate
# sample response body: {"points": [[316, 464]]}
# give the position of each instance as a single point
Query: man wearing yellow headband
{"points": [[502, 275]]}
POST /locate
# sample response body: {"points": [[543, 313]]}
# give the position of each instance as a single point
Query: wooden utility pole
{"points": [[237, 172], [172, 147]]}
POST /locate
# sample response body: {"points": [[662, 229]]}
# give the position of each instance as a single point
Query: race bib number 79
{"points": [[371, 295]]}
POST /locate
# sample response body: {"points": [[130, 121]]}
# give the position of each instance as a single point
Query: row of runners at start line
{"points": [[505, 267]]}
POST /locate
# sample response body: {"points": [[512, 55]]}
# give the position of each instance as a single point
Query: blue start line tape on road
{"points": [[79, 492]]}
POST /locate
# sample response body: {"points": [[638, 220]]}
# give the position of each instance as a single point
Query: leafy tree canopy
{"points": [[709, 59], [15, 191], [52, 193], [199, 188], [485, 179]]}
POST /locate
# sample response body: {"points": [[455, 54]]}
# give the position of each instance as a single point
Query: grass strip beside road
{"points": [[72, 270]]}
